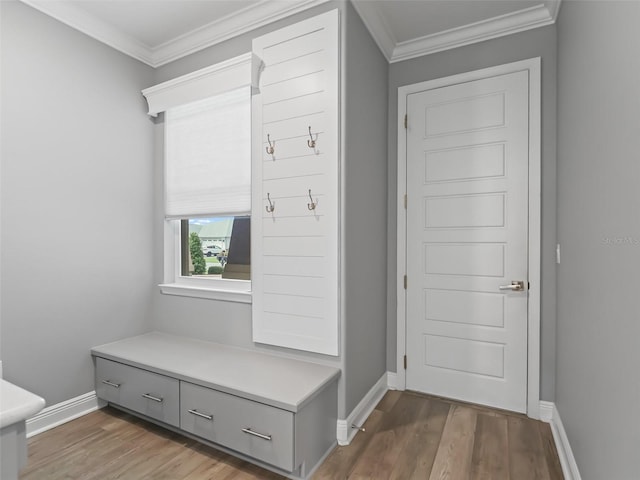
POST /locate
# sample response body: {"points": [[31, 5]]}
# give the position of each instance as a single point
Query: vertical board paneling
{"points": [[294, 248]]}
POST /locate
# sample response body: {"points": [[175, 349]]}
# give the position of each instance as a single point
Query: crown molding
{"points": [[90, 25], [228, 27], [267, 11], [526, 19], [554, 8], [377, 26], [243, 21], [538, 16]]}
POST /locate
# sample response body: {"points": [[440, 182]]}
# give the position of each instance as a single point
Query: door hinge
{"points": [[405, 120], [405, 282], [405, 201], [405, 362]]}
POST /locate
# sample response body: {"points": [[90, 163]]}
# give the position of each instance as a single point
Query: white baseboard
{"points": [[345, 432], [546, 411], [392, 380], [549, 413], [63, 412]]}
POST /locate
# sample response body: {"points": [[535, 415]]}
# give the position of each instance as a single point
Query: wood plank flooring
{"points": [[408, 436]]}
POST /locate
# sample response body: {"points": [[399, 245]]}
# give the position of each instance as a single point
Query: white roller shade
{"points": [[208, 156]]}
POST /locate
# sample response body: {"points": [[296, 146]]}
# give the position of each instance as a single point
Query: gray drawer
{"points": [[254, 429], [153, 395]]}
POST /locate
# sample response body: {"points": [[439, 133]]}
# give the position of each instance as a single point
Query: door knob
{"points": [[515, 286]]}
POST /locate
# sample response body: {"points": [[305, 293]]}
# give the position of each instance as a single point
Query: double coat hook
{"points": [[311, 142], [271, 148], [272, 205], [312, 205]]}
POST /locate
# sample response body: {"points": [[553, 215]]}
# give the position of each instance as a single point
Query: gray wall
{"points": [[540, 42], [365, 206], [76, 201], [597, 389]]}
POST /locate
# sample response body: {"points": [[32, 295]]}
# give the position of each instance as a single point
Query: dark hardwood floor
{"points": [[408, 436]]}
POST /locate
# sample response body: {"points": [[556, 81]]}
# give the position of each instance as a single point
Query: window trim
{"points": [[228, 290]]}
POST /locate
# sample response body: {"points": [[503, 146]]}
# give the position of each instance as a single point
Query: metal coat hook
{"points": [[312, 142], [272, 205], [271, 148], [312, 205]]}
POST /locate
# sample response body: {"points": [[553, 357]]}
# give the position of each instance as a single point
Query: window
{"points": [[207, 182], [217, 247]]}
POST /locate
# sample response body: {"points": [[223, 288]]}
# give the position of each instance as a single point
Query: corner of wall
{"points": [[348, 427]]}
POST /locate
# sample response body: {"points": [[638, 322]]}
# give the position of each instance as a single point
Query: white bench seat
{"points": [[276, 411]]}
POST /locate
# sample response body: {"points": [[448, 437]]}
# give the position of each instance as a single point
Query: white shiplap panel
{"points": [[293, 330], [291, 285], [297, 207], [293, 148], [292, 227], [298, 266], [294, 108], [294, 305], [293, 47], [294, 249], [293, 68], [302, 166], [295, 87], [293, 167], [296, 246], [293, 128], [294, 187]]}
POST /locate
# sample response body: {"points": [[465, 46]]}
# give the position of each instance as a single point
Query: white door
{"points": [[467, 231]]}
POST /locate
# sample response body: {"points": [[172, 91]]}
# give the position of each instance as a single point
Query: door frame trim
{"points": [[533, 66]]}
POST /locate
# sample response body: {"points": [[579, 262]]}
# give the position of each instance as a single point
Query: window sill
{"points": [[238, 296]]}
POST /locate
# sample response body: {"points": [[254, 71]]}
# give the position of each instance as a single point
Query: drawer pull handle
{"points": [[256, 434], [111, 384], [202, 415], [151, 397]]}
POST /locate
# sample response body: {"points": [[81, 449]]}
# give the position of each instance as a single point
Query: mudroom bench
{"points": [[277, 412]]}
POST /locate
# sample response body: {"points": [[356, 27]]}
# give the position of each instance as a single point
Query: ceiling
{"points": [[157, 32]]}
